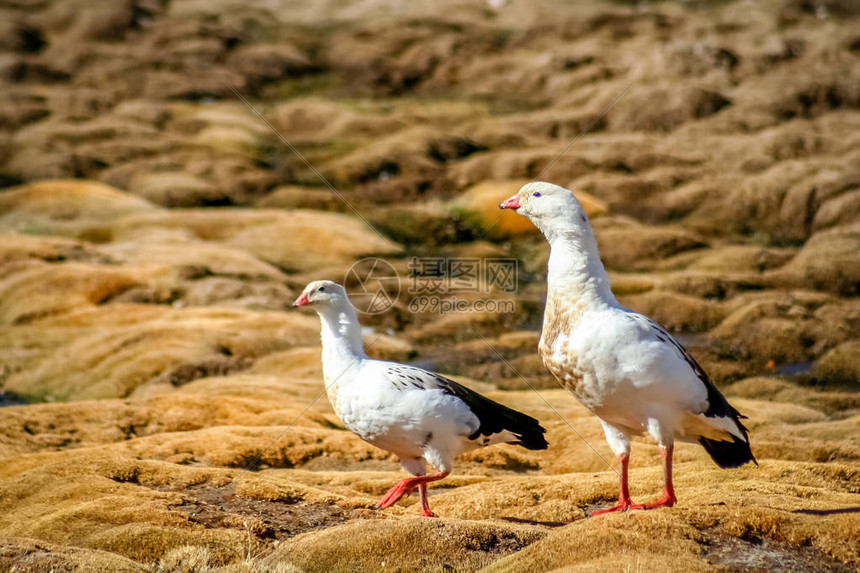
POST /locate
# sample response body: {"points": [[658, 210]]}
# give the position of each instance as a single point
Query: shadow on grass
{"points": [[533, 522], [828, 511]]}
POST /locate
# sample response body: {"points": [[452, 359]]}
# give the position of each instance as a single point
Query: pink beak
{"points": [[302, 300], [511, 203]]}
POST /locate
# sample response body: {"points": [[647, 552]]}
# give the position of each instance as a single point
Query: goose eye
{"points": [[536, 194], [321, 289]]}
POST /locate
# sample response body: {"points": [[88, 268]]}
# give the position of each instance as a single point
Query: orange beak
{"points": [[511, 203], [302, 300]]}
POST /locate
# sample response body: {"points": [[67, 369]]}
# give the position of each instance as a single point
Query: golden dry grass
{"points": [[149, 470]]}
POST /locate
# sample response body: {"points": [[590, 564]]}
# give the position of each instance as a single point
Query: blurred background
{"points": [[173, 172]]}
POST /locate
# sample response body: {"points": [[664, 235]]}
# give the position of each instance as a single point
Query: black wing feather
{"points": [[492, 416], [726, 454]]}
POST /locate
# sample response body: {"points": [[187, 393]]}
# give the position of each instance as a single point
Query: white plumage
{"points": [[421, 417], [620, 364]]}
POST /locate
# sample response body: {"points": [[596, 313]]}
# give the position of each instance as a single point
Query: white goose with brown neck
{"points": [[621, 365]]}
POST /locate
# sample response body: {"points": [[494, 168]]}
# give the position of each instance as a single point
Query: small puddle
{"points": [[794, 369], [11, 399]]}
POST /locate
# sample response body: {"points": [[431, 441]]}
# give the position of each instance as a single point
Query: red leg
{"points": [[624, 502], [668, 499], [405, 487], [393, 494], [425, 507]]}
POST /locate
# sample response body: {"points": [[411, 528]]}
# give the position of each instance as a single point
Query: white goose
{"points": [[620, 364], [419, 416]]}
